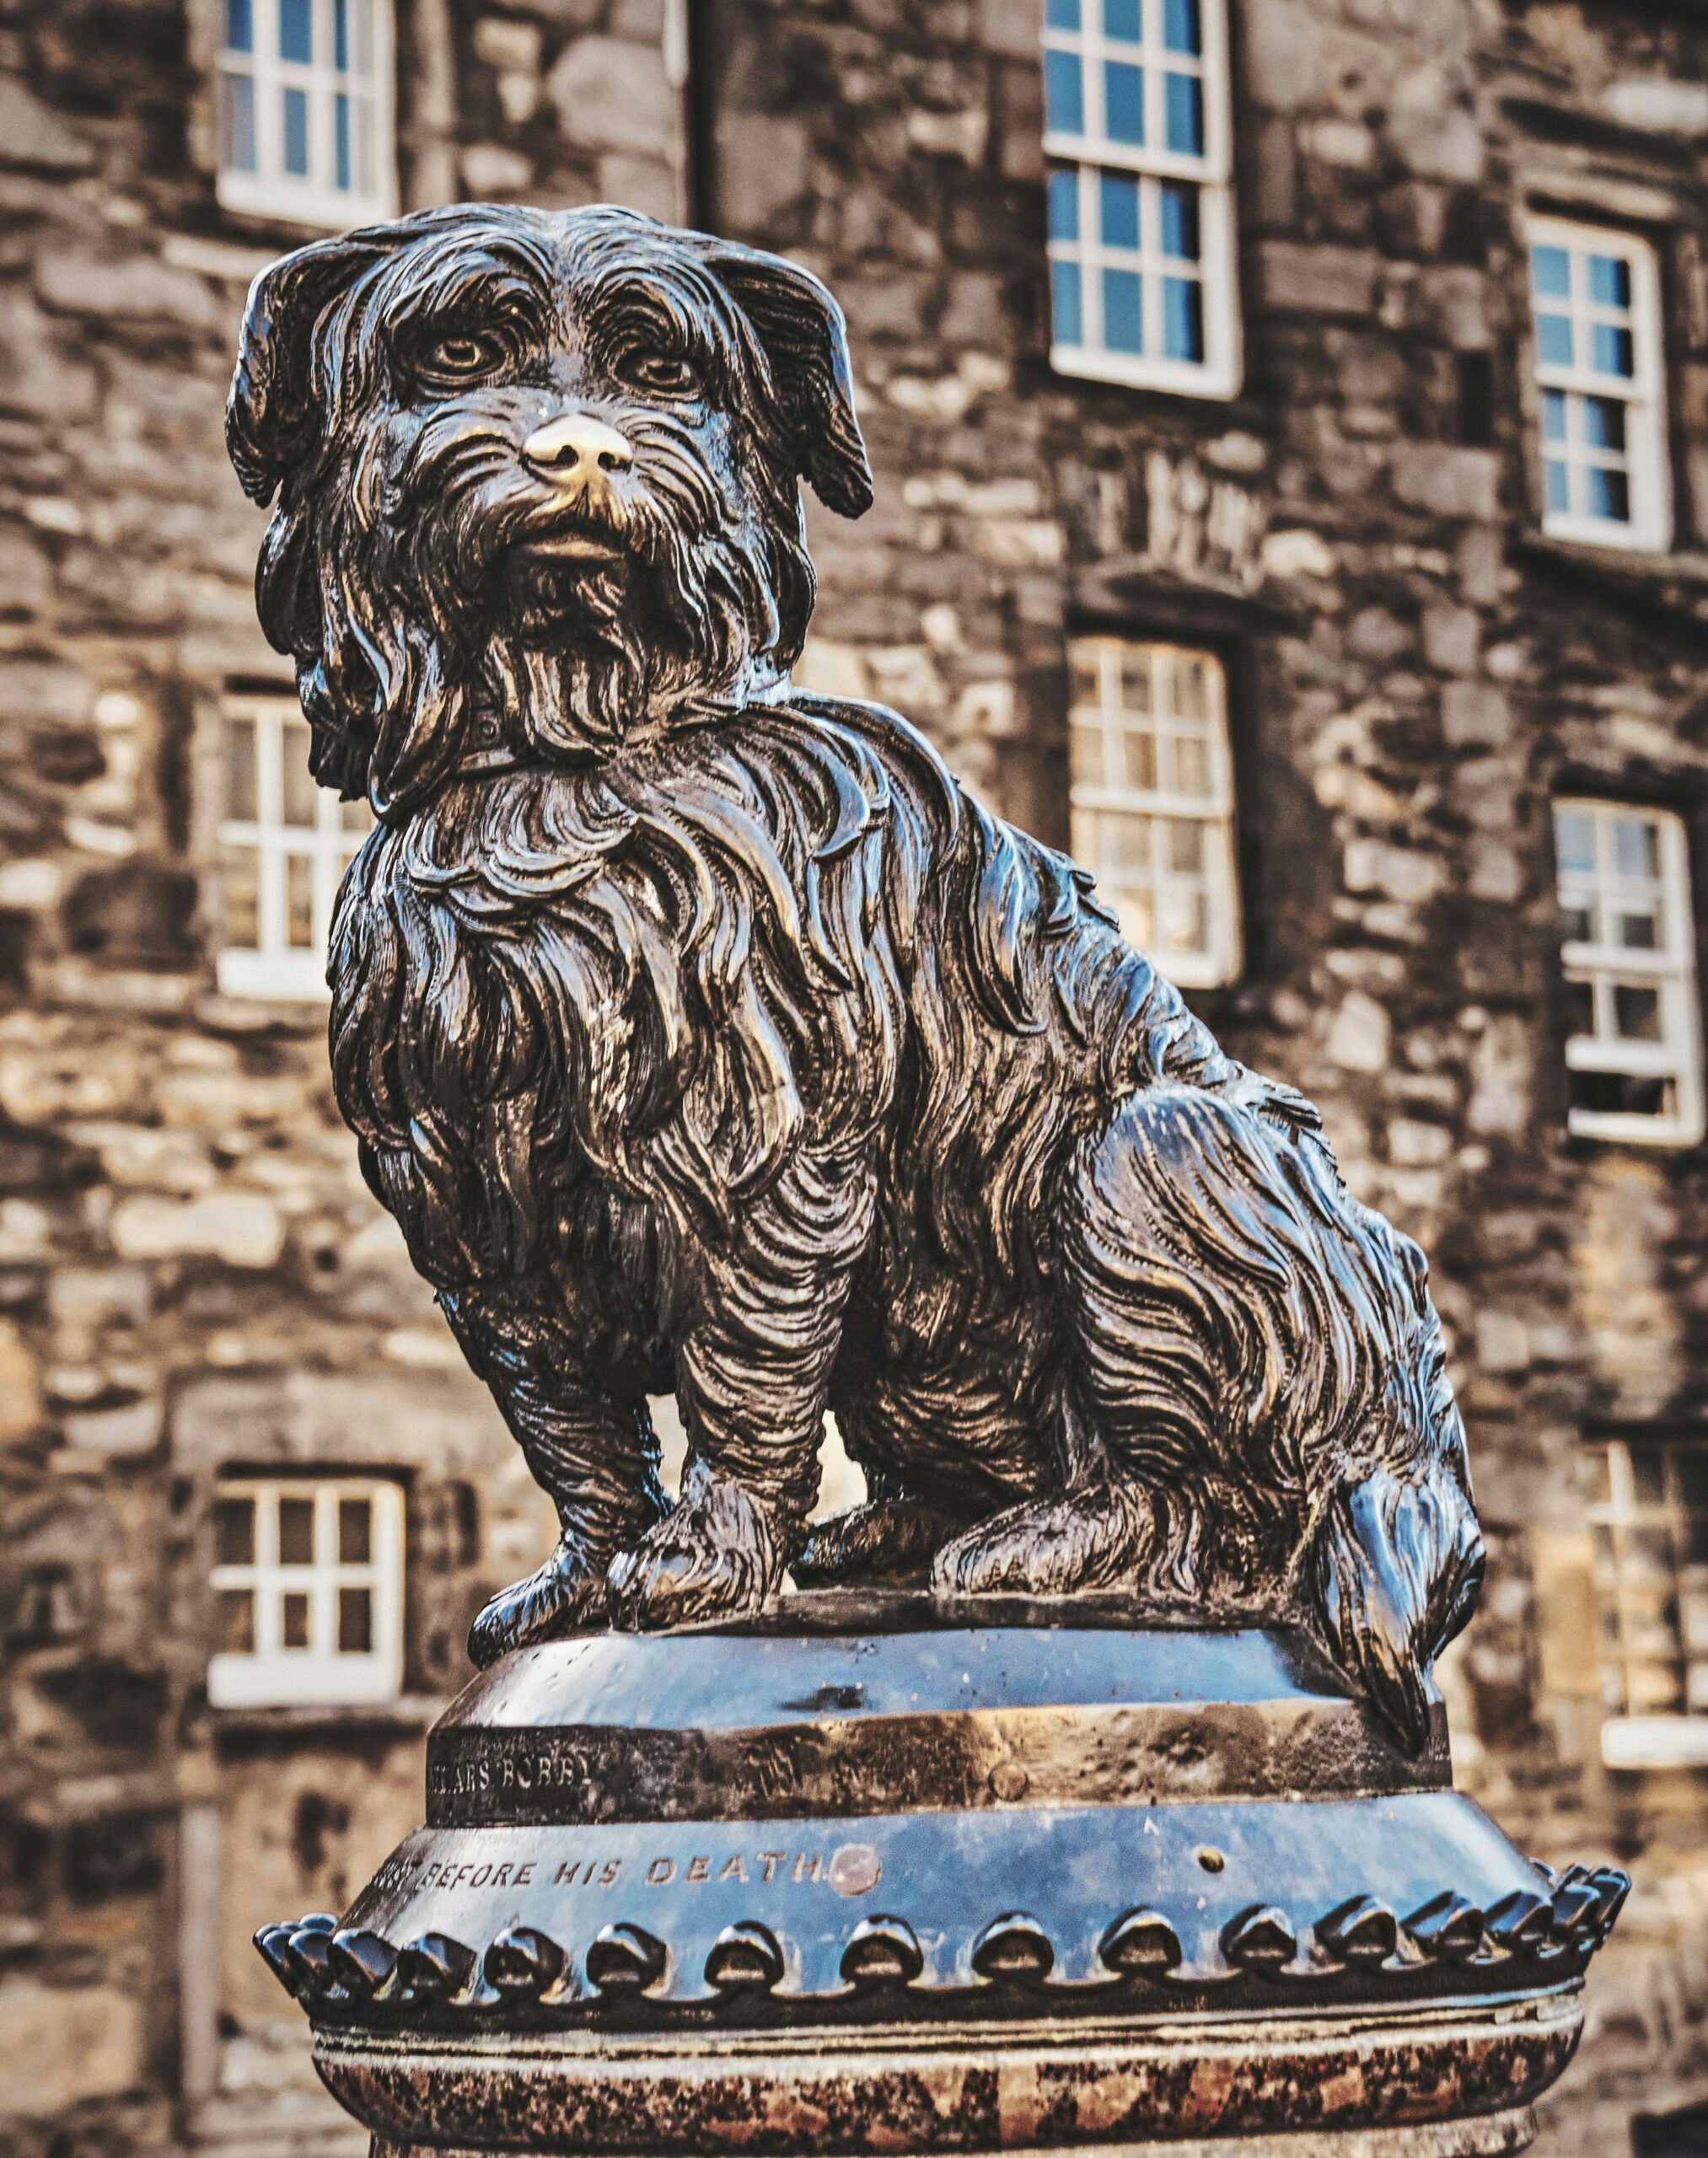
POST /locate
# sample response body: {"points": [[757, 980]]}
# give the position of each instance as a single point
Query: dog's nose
{"points": [[575, 445]]}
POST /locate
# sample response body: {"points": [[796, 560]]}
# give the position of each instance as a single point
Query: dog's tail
{"points": [[1394, 1567]]}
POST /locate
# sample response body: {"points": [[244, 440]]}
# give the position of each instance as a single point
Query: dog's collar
{"points": [[500, 757]]}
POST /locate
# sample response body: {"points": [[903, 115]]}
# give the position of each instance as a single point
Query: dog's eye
{"points": [[667, 373], [458, 358]]}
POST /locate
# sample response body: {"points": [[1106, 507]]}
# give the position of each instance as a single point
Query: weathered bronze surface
{"points": [[866, 1880], [706, 1037]]}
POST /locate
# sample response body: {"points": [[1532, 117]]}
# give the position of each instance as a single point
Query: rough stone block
{"points": [[644, 184], [1009, 26], [1285, 46], [33, 136], [762, 165], [241, 1227], [1475, 712], [491, 169], [611, 95], [1447, 480], [66, 2046], [20, 1394], [1451, 637], [1660, 102], [1324, 281], [128, 288], [1360, 1035]]}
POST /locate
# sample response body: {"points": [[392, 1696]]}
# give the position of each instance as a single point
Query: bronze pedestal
{"points": [[864, 1877]]}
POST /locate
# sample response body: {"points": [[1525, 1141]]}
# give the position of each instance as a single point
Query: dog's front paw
{"points": [[567, 1593], [713, 1557], [1090, 1540]]}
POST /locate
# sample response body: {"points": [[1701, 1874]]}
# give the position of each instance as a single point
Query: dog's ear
{"points": [[805, 341], [272, 414]]}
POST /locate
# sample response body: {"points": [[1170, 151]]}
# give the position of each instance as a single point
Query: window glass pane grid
{"points": [[1133, 244], [1650, 1575], [1594, 301], [1632, 1052], [1137, 99], [303, 98], [284, 860], [312, 1608], [1152, 800]]}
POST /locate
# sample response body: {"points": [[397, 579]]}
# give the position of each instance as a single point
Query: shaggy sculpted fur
{"points": [[705, 1037]]}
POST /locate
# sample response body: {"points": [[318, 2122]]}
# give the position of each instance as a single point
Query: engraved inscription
{"points": [[851, 1870]]}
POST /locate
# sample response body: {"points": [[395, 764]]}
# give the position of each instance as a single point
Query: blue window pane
{"points": [[1120, 21], [1612, 349], [1122, 312], [239, 25], [1180, 28], [1064, 94], [341, 35], [1065, 303], [1179, 220], [297, 133], [1118, 210], [1554, 415], [1183, 318], [1609, 281], [296, 30], [1609, 495], [1123, 102], [1604, 423], [239, 147], [1062, 14], [1550, 272], [1186, 109], [1554, 340], [340, 139], [1559, 490], [1064, 206]]}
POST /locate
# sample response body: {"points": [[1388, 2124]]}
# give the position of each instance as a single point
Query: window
{"points": [[1633, 1057], [284, 843], [1651, 1531], [306, 126], [1140, 204], [1596, 300], [308, 1583], [1153, 801]]}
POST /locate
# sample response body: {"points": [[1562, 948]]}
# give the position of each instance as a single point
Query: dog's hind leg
{"points": [[894, 1535], [1095, 1538], [588, 1445]]}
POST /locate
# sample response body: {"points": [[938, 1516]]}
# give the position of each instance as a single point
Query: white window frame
{"points": [[1218, 374], [313, 198], [1670, 968], [1222, 958], [1637, 1737], [271, 1675], [273, 968], [1643, 393]]}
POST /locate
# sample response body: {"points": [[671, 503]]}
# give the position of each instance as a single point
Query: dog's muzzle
{"points": [[581, 457]]}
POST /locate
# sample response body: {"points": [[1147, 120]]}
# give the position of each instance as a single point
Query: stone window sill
{"points": [[1670, 1742], [1671, 587]]}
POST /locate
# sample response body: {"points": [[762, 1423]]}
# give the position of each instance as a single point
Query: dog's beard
{"points": [[469, 624]]}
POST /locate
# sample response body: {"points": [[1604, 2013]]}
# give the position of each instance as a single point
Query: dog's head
{"points": [[537, 478]]}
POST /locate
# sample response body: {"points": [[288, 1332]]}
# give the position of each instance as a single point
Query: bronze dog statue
{"points": [[705, 1037]]}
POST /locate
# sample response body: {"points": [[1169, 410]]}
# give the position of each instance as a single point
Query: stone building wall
{"points": [[1415, 672], [190, 1275]]}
